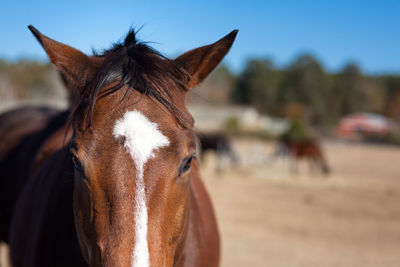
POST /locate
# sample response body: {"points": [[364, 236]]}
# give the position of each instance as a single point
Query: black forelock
{"points": [[139, 66]]}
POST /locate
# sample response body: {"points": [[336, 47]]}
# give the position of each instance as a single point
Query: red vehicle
{"points": [[358, 126]]}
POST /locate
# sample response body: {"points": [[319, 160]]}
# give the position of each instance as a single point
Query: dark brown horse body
{"points": [[19, 123], [307, 149], [22, 132], [127, 192], [43, 231]]}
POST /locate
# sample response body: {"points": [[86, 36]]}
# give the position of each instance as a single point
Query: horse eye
{"points": [[186, 164], [77, 163]]}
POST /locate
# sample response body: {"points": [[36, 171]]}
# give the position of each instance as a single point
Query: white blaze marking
{"points": [[142, 137]]}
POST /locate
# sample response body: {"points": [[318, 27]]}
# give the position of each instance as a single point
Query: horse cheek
{"points": [[82, 216]]}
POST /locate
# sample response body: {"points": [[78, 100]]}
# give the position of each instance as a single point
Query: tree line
{"points": [[304, 88]]}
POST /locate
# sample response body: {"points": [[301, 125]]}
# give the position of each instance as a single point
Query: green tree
{"points": [[306, 82], [347, 90], [391, 84], [258, 86]]}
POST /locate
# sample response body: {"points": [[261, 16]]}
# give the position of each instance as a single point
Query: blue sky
{"points": [[336, 32]]}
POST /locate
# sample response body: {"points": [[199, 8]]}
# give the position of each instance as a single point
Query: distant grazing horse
{"points": [[22, 132], [307, 149], [127, 192], [220, 144]]}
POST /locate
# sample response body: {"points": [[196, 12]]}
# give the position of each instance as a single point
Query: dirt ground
{"points": [[270, 217]]}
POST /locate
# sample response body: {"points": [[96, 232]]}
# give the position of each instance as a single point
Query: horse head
{"points": [[133, 147]]}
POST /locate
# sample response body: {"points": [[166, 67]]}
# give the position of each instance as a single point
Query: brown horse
{"points": [[22, 132], [130, 181], [307, 149]]}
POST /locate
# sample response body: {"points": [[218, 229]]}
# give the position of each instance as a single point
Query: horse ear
{"points": [[201, 61], [76, 68]]}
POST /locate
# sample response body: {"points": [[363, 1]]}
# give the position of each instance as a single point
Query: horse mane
{"points": [[141, 68]]}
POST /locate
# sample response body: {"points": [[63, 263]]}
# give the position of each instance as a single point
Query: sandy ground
{"points": [[270, 217]]}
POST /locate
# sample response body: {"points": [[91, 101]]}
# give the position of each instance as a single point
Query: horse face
{"points": [[134, 161], [132, 174]]}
